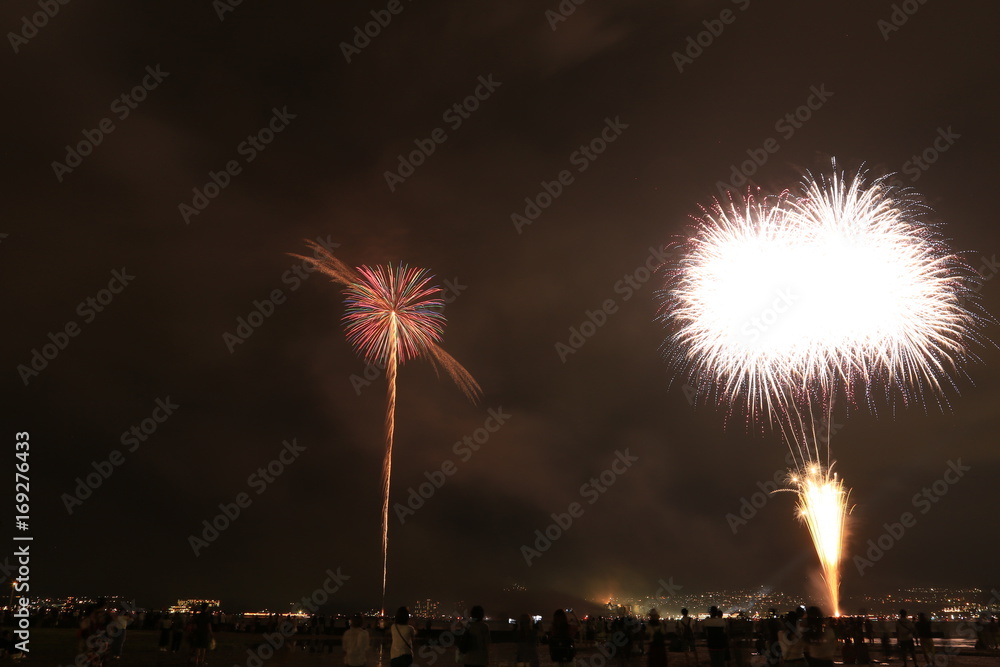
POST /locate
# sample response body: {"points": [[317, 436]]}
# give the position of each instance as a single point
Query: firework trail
{"points": [[392, 315], [822, 506], [782, 304]]}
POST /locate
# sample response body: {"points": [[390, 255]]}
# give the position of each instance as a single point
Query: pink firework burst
{"points": [[393, 311]]}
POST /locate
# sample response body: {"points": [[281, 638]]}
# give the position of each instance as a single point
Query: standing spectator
{"points": [[621, 638], [575, 627], [986, 632], [685, 631], [904, 637], [771, 630], [717, 637], [527, 642], [821, 640], [601, 637], [476, 651], [164, 624], [740, 632], [561, 649], [657, 640], [639, 638], [93, 636], [886, 639], [981, 631], [403, 635], [861, 648], [869, 630], [792, 644], [201, 635], [355, 642], [926, 635], [116, 630], [177, 633]]}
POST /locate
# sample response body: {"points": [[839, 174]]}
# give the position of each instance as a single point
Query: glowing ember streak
{"points": [[392, 315], [822, 505]]}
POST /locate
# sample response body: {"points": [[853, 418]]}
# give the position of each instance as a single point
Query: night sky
{"points": [[308, 123]]}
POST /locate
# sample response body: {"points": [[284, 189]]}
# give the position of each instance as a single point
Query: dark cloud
{"points": [[324, 176]]}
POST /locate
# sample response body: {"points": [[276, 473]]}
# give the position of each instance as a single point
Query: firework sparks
{"points": [[822, 506], [779, 305], [392, 312], [392, 315]]}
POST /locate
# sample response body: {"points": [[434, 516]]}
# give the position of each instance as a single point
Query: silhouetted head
{"points": [[402, 615], [477, 613], [684, 611]]}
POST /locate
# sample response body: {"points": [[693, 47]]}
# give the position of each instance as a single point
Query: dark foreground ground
{"points": [[57, 648]]}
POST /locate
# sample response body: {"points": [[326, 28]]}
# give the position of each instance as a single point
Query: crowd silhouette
{"points": [[799, 638]]}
